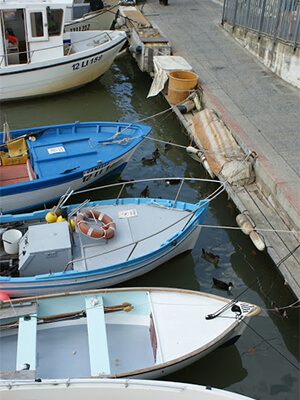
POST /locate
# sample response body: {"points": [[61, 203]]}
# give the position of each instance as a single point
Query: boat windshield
{"points": [[55, 21]]}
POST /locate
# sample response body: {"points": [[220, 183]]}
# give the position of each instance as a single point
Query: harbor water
{"points": [[264, 363]]}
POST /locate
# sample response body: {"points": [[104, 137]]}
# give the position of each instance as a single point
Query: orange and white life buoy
{"points": [[106, 231]]}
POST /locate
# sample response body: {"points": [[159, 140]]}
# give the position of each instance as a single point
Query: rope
{"points": [[264, 274], [256, 228], [273, 347], [225, 307]]}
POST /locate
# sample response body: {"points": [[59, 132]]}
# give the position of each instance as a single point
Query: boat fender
{"points": [[198, 155], [107, 231], [60, 218], [244, 223], [207, 166], [196, 100], [72, 224], [257, 240], [4, 296], [135, 49], [51, 217], [186, 107]]}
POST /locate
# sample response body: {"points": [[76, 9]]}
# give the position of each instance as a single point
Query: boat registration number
{"points": [[93, 172], [55, 150], [80, 28], [85, 63]]}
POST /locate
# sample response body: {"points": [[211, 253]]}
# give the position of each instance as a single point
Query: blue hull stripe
{"points": [[87, 275], [64, 62]]}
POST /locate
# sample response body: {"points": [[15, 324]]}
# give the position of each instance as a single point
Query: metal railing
{"points": [[278, 19], [105, 36]]}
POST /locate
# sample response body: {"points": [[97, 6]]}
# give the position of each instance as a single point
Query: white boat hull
{"points": [[100, 20], [140, 333], [59, 74], [112, 389], [100, 279]]}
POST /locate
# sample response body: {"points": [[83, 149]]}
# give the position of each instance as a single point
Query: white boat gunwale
{"points": [[94, 387]]}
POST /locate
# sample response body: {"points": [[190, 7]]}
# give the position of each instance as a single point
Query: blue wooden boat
{"points": [[143, 333], [110, 242], [39, 164]]}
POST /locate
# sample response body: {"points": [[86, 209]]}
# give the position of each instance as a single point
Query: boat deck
{"points": [[13, 174], [129, 231], [61, 150]]}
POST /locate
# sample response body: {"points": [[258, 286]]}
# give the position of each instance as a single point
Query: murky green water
{"points": [[264, 362]]}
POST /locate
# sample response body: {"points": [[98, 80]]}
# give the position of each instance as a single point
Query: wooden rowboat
{"points": [[141, 333]]}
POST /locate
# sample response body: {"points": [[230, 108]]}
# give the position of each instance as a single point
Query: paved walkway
{"points": [[260, 108]]}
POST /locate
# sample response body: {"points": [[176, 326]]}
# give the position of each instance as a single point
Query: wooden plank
{"points": [[12, 174], [18, 310], [15, 375], [279, 244], [26, 350], [98, 346], [136, 18]]}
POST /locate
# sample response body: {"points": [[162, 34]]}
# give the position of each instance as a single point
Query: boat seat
{"points": [[98, 346], [26, 350]]}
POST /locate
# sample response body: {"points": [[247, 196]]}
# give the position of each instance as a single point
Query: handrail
{"points": [[189, 216], [30, 53]]}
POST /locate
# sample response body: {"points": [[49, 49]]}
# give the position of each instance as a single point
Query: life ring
{"points": [[107, 231]]}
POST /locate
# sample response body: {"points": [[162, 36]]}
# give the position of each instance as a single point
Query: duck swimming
{"points": [[222, 285], [210, 257], [155, 153], [168, 146], [148, 161], [145, 192]]}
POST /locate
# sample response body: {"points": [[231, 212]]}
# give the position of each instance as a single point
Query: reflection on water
{"points": [[264, 362], [223, 376]]}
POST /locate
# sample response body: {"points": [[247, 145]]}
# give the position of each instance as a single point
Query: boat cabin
{"points": [[31, 31]]}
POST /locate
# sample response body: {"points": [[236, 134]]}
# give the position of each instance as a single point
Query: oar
{"points": [[127, 307]]}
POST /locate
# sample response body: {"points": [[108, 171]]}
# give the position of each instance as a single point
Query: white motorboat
{"points": [[38, 58]]}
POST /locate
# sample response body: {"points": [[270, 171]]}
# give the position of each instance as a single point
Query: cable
{"points": [[273, 347]]}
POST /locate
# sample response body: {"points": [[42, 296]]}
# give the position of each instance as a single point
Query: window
{"points": [[36, 19], [55, 18]]}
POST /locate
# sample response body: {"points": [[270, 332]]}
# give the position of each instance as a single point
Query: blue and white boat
{"points": [[110, 242], [38, 165], [143, 333]]}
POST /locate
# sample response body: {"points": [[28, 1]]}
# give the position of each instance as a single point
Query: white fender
{"points": [[257, 241], [244, 223]]}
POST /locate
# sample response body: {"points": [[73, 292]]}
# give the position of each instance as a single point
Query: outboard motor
{"points": [[96, 5]]}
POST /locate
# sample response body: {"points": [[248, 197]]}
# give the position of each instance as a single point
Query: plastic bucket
{"points": [[181, 83], [11, 239]]}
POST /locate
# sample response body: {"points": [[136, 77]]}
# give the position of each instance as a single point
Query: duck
{"points": [[148, 161], [210, 257], [222, 285], [155, 154], [168, 146], [145, 192]]}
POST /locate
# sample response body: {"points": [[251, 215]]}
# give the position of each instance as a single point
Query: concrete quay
{"points": [[261, 111]]}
